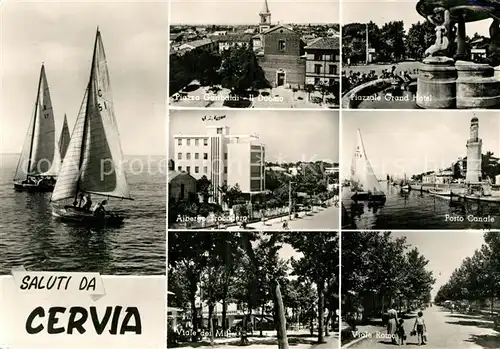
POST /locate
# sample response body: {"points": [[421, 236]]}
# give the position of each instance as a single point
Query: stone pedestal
{"points": [[497, 72], [436, 83], [477, 86]]}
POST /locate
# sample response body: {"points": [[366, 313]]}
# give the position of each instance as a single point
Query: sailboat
{"points": [[404, 185], [64, 138], [364, 183], [40, 160], [92, 164]]}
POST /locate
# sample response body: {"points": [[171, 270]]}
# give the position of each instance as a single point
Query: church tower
{"points": [[474, 145], [265, 18]]}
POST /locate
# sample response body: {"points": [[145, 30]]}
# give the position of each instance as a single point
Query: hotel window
{"points": [[196, 156], [332, 69], [205, 156], [225, 156], [317, 57], [225, 169], [188, 169], [282, 45], [196, 142], [205, 142], [188, 156], [219, 130], [188, 142], [179, 168], [196, 169], [179, 156], [317, 69], [179, 141], [205, 169]]}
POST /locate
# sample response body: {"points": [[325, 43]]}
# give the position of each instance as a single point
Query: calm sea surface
{"points": [[416, 210], [30, 236]]}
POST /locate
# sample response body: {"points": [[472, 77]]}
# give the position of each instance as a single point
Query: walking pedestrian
{"points": [[420, 328], [392, 325]]}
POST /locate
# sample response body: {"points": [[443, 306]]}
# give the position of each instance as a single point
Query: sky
{"points": [[443, 261], [415, 142], [61, 34], [383, 11], [289, 136], [247, 11]]}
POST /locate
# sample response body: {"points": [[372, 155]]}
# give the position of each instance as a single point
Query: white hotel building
{"points": [[223, 158]]}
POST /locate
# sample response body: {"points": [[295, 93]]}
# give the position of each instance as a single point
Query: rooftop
{"points": [[172, 174], [329, 43]]}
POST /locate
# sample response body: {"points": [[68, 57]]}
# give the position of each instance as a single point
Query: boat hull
{"points": [[79, 216], [365, 196], [33, 188], [440, 192]]}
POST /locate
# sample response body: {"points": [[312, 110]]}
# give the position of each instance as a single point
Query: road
{"points": [[446, 330], [322, 218]]}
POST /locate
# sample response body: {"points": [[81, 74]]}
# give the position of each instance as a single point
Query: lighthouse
{"points": [[474, 145]]}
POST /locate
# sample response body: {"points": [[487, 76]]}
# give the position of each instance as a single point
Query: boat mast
{"points": [[86, 112], [34, 119]]}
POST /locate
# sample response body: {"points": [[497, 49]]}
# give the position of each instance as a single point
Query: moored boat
{"points": [[93, 161], [39, 161], [440, 192]]}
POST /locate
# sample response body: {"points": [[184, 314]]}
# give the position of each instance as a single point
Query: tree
{"points": [[204, 188], [240, 71], [320, 250], [420, 37]]}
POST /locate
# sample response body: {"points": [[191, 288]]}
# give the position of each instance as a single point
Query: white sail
{"points": [[64, 138], [66, 185], [94, 155], [362, 175], [40, 155]]}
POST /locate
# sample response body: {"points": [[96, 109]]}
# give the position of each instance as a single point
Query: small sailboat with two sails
{"points": [[364, 182], [94, 158], [40, 160]]}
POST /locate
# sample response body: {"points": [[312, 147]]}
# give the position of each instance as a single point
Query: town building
{"points": [[279, 51], [438, 177], [322, 61], [181, 186], [208, 155], [225, 42], [246, 166], [474, 145], [200, 45]]}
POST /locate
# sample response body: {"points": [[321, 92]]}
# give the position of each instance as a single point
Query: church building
{"points": [[280, 52]]}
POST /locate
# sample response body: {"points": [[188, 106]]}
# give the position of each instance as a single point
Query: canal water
{"points": [[418, 210]]}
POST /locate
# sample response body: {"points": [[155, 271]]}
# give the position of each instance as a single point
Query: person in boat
{"points": [[99, 209], [87, 202], [80, 200]]}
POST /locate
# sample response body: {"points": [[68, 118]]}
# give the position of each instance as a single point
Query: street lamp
{"points": [[290, 200]]}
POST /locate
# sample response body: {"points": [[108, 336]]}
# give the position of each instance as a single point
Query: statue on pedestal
{"points": [[441, 19], [494, 47]]}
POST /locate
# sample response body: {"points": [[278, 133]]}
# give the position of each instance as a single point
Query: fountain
{"points": [[448, 79]]}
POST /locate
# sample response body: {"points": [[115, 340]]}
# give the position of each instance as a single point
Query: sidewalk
{"points": [[363, 331], [299, 339]]}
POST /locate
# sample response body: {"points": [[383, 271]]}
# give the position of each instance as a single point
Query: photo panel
{"points": [[415, 287], [420, 170], [266, 170], [83, 174], [420, 54], [257, 289], [254, 54]]}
